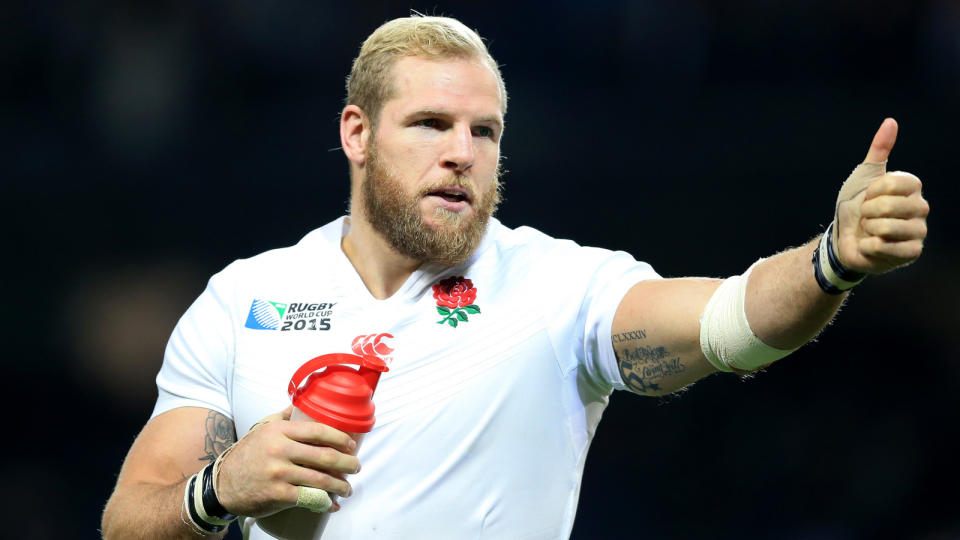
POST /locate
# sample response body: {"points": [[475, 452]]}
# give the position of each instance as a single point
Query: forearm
{"points": [[657, 331], [148, 511], [784, 305]]}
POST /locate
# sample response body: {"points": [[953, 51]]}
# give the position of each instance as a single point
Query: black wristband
{"points": [[211, 505]]}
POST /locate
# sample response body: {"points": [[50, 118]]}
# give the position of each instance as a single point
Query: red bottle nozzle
{"points": [[370, 370]]}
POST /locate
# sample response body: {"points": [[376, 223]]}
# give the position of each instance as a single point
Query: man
{"points": [[503, 345]]}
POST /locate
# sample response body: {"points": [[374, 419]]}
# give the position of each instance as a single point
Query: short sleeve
{"points": [[199, 355], [613, 278]]}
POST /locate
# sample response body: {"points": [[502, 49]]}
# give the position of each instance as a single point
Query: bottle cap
{"points": [[335, 394]]}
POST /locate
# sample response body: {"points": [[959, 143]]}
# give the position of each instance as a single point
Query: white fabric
{"points": [[726, 338], [482, 430]]}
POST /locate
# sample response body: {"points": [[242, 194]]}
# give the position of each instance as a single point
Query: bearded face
{"points": [[449, 238]]}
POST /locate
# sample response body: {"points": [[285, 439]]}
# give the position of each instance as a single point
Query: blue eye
{"points": [[432, 123], [483, 131]]}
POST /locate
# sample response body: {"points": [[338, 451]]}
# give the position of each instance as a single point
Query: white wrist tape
{"points": [[725, 335], [831, 275], [313, 499]]}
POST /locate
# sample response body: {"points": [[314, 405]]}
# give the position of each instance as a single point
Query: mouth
{"points": [[451, 194]]}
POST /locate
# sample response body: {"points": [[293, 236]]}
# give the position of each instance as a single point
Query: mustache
{"points": [[454, 180]]}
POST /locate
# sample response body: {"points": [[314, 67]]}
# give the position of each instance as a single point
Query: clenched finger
{"points": [[902, 252], [894, 183], [894, 206], [304, 476], [291, 493], [323, 458], [320, 434], [895, 229]]}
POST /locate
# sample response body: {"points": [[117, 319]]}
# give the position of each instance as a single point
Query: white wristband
{"points": [[831, 275]]}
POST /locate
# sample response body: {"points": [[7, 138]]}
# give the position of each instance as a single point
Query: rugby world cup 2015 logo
{"points": [[265, 315]]}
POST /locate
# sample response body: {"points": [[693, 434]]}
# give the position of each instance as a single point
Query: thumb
{"points": [[883, 142]]}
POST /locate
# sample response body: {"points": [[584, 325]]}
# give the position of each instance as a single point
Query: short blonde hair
{"points": [[370, 85]]}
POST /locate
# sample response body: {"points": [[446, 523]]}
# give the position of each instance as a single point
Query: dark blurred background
{"points": [[147, 144]]}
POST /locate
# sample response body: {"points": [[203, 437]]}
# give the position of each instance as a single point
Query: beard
{"points": [[396, 215]]}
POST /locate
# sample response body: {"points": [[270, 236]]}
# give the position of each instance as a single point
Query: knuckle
{"points": [[326, 455], [274, 471], [283, 492], [343, 439], [328, 434], [868, 246], [889, 183], [328, 483], [273, 448], [886, 206], [882, 228], [320, 480], [340, 487]]}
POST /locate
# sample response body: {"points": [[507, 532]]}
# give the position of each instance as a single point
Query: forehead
{"points": [[454, 85]]}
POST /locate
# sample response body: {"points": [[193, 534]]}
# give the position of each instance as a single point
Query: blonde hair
{"points": [[370, 85]]}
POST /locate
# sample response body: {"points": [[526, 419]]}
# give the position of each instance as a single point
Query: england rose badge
{"points": [[455, 298]]}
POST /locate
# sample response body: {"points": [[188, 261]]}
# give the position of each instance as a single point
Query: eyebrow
{"points": [[431, 112]]}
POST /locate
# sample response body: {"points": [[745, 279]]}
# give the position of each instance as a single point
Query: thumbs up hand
{"points": [[880, 220]]}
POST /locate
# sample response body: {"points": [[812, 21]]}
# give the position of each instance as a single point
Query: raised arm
{"points": [[257, 476], [879, 225]]}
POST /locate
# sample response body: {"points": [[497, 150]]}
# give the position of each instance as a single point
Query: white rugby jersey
{"points": [[483, 421]]}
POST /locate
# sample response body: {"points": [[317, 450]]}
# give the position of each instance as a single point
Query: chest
{"points": [[437, 346]]}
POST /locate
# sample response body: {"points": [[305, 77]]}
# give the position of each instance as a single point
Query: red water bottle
{"points": [[340, 397]]}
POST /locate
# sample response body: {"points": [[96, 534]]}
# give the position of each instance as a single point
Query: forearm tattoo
{"points": [[643, 367], [220, 434]]}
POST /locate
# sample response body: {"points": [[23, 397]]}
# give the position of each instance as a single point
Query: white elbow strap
{"points": [[725, 335]]}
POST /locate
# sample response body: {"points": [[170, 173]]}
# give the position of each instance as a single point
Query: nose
{"points": [[459, 154]]}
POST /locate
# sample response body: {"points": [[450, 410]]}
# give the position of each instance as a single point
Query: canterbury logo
{"points": [[372, 345]]}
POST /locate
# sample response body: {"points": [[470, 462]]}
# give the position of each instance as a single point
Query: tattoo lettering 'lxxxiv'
{"points": [[643, 367], [219, 435]]}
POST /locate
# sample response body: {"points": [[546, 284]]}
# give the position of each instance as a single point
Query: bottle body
{"points": [[300, 523]]}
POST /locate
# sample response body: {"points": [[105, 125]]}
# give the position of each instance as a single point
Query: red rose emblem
{"points": [[454, 292], [455, 298]]}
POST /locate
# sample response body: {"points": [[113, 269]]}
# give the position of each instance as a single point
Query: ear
{"points": [[354, 132]]}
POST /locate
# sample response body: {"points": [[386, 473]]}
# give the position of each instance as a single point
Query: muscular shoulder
{"points": [[537, 249]]}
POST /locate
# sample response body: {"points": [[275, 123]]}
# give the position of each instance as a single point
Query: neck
{"points": [[381, 268]]}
